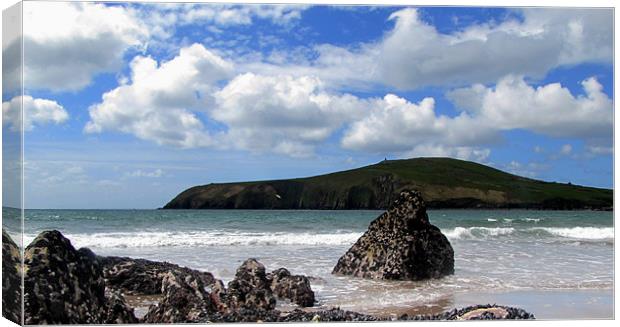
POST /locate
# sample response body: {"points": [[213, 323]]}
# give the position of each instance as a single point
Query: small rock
{"points": [[118, 312], [250, 288], [185, 300], [293, 287]]}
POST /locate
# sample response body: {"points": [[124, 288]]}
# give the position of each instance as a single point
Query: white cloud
{"points": [[397, 125], [282, 114], [566, 149], [66, 44], [159, 103], [54, 173], [460, 152], [600, 150], [164, 18], [35, 112], [549, 109], [415, 54], [145, 173]]}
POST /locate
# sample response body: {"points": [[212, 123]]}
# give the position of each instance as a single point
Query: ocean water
{"points": [[495, 250]]}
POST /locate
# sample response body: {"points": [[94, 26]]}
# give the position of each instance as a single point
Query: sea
{"points": [[554, 263]]}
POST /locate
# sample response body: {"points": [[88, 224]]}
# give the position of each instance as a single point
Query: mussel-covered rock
{"points": [[295, 288], [400, 244], [11, 280], [250, 288], [63, 285], [185, 300], [143, 277]]}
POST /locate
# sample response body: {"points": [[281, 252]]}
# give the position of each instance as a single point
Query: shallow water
{"points": [[495, 250]]}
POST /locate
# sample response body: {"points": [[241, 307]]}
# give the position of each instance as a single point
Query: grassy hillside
{"points": [[444, 183]]}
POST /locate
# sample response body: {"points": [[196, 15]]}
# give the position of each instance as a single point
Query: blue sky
{"points": [[131, 104]]}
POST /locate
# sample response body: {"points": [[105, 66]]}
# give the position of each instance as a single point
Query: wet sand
{"points": [[544, 304], [551, 304]]}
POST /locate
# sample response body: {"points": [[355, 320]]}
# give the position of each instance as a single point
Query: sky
{"points": [[126, 105]]}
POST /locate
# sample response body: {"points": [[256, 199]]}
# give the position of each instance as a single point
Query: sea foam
{"points": [[477, 232], [204, 238], [584, 233]]}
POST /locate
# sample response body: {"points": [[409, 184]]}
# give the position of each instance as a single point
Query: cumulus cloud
{"points": [[35, 112], [66, 44], [397, 125], [548, 109], [415, 54], [394, 124], [158, 103], [280, 113]]}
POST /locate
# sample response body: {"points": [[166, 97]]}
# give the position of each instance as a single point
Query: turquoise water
{"points": [[495, 250]]}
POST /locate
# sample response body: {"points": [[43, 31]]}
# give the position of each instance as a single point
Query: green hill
{"points": [[444, 183]]}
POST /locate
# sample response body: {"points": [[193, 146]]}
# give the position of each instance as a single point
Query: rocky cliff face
{"points": [[400, 244]]}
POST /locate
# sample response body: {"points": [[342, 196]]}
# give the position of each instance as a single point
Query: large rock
{"points": [[11, 280], [250, 289], [295, 288], [400, 244], [63, 285], [143, 277], [185, 300]]}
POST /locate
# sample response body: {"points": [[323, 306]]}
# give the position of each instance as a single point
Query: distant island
{"points": [[443, 182]]}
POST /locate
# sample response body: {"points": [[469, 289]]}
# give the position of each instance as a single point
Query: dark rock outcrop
{"points": [[118, 312], [63, 285], [476, 312], [400, 244], [185, 300], [250, 289], [143, 277], [11, 280], [333, 314], [295, 288]]}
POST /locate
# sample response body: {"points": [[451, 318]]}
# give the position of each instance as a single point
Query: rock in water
{"points": [[400, 244], [11, 280], [63, 285]]}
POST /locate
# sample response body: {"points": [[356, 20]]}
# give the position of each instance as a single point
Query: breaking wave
{"points": [[583, 233], [477, 232], [204, 238]]}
